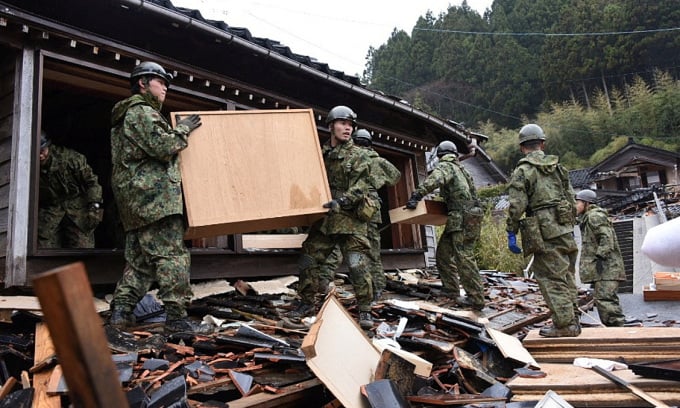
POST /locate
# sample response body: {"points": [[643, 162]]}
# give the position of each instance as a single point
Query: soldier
{"points": [[601, 262], [539, 187], [347, 168], [455, 249], [70, 198], [146, 185], [382, 173]]}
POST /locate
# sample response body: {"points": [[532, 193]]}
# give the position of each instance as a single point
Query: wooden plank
{"points": [[605, 400], [76, 330], [340, 354], [511, 347], [247, 171], [572, 379], [32, 303], [44, 349], [273, 241], [292, 395], [428, 212], [599, 336], [649, 295]]}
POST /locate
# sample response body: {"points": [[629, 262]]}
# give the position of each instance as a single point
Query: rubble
{"points": [[423, 351]]}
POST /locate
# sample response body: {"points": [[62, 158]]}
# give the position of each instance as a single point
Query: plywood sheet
{"points": [[247, 171], [340, 354], [428, 212]]}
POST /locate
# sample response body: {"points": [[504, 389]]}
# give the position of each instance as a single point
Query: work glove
{"points": [[599, 265], [191, 121], [412, 202], [512, 243], [334, 206]]}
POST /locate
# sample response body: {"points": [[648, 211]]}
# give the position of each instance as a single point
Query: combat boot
{"points": [[326, 286], [467, 303], [187, 326], [365, 320], [121, 319], [573, 330], [303, 310]]}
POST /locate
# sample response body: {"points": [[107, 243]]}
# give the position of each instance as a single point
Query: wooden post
{"points": [[76, 329]]}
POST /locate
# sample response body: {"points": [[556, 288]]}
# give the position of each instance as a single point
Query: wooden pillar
{"points": [[76, 329]]}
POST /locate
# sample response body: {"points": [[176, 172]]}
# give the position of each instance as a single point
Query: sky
{"points": [[338, 33]]}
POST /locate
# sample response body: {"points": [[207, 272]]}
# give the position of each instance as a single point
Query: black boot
{"points": [[121, 319], [365, 320], [186, 325], [303, 310], [573, 330]]}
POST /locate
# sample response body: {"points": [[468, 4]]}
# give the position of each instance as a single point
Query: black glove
{"points": [[599, 265], [412, 202], [191, 121], [334, 206]]}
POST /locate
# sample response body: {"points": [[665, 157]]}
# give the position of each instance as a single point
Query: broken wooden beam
{"points": [[76, 330], [630, 387]]}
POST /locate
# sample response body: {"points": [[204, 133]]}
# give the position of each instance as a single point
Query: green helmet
{"points": [[446, 147], [341, 112], [588, 196], [362, 137], [531, 132], [44, 140], [148, 68]]}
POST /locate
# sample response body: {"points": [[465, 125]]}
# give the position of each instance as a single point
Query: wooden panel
{"points": [[247, 171], [652, 295], [428, 212], [273, 241], [342, 372]]}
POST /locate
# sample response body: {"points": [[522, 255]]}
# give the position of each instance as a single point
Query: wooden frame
{"points": [[247, 171]]}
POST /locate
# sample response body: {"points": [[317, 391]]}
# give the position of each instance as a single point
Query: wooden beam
{"points": [[76, 330], [44, 349], [295, 395]]}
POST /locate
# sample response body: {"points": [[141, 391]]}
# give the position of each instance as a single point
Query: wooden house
{"points": [[65, 64]]}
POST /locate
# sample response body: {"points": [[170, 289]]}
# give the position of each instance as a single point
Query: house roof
{"points": [[202, 51], [635, 154]]}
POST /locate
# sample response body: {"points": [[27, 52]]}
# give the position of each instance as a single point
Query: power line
{"points": [[593, 34]]}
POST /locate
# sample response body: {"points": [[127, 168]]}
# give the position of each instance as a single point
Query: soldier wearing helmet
{"points": [[601, 263], [383, 173], [455, 250], [348, 171], [542, 203], [69, 199], [146, 186]]}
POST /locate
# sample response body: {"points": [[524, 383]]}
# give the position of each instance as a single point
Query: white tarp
{"points": [[662, 243]]}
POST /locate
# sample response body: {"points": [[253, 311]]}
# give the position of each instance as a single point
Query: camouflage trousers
{"points": [[57, 230], [555, 271], [455, 258], [607, 303], [156, 253], [375, 266], [318, 247]]}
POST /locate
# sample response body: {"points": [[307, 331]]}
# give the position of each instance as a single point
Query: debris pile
{"points": [[423, 351]]}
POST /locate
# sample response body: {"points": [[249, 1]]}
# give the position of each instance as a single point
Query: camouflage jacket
{"points": [[67, 181], [540, 187], [382, 173], [454, 182], [348, 171], [598, 240], [145, 178]]}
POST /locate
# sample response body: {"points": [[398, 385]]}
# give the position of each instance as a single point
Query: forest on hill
{"points": [[592, 73]]}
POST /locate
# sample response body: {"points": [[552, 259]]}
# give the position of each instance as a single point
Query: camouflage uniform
{"points": [[67, 188], [539, 186], [599, 245], [455, 249], [347, 168], [146, 185], [382, 173]]}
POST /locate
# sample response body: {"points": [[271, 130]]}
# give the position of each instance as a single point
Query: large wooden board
{"points": [[582, 387], [247, 171], [428, 212], [340, 354]]}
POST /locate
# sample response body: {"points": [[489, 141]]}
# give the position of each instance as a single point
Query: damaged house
{"points": [[65, 64]]}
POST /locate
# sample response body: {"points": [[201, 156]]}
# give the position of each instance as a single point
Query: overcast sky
{"points": [[338, 32]]}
